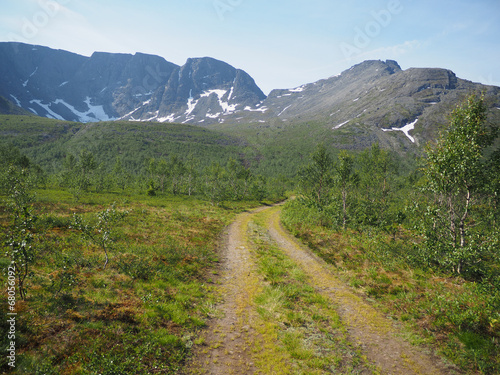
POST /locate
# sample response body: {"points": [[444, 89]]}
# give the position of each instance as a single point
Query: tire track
{"points": [[239, 342], [367, 327]]}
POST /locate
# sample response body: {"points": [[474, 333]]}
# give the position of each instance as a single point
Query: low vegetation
{"points": [[425, 246], [138, 312], [308, 328]]}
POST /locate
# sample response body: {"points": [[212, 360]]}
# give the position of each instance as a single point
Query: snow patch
{"points": [[230, 94], [263, 109], [340, 125], [153, 117], [97, 111], [17, 100], [129, 114], [169, 118], [51, 113], [94, 114], [358, 116], [226, 107], [31, 75], [355, 100], [191, 103], [298, 89], [220, 93], [137, 95], [405, 129], [284, 110]]}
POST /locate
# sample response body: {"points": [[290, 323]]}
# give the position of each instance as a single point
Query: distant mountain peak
{"points": [[372, 101], [105, 86]]}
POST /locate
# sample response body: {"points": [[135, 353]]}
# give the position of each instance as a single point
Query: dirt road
{"points": [[244, 341]]}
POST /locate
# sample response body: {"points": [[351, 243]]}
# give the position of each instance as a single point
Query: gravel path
{"points": [[230, 340]]}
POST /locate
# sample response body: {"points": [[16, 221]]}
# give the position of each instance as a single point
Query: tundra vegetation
{"points": [[114, 233]]}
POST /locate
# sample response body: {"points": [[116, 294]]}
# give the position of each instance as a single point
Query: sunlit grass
{"points": [[458, 317], [308, 327], [136, 316]]}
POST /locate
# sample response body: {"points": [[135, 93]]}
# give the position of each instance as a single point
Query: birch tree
{"points": [[458, 172]]}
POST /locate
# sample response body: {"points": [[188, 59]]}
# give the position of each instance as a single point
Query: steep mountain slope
{"points": [[106, 86], [200, 91], [374, 101]]}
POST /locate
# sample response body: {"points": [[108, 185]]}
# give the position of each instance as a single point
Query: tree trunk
{"points": [[453, 229], [462, 220]]}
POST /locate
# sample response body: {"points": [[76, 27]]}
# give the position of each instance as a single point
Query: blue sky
{"points": [[280, 43]]}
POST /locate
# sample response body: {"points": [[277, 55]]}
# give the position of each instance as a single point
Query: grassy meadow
{"points": [[458, 316], [142, 312]]}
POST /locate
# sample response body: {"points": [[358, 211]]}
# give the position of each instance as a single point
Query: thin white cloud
{"points": [[55, 25], [454, 28]]}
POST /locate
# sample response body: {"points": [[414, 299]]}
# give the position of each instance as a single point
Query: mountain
{"points": [[374, 101], [106, 86], [373, 98], [201, 91]]}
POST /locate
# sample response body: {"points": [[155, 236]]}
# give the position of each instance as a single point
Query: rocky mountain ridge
{"points": [[370, 97], [106, 86]]}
